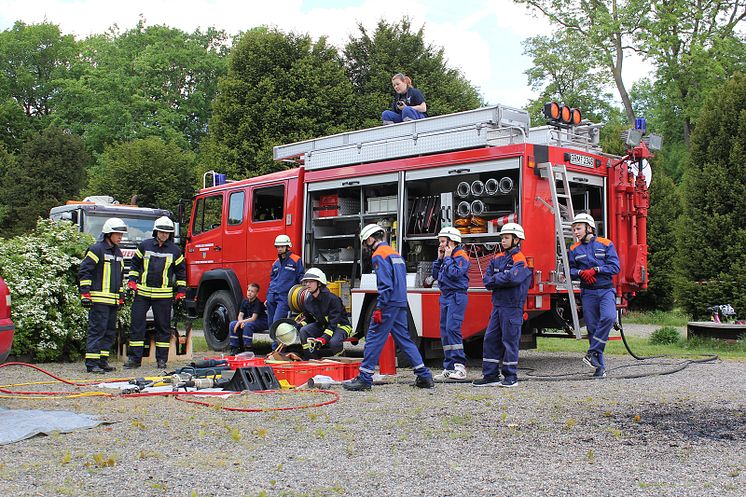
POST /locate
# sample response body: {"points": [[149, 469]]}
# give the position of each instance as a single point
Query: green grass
{"points": [[642, 347], [676, 317]]}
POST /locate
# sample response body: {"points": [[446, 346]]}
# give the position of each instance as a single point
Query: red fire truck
{"points": [[474, 170]]}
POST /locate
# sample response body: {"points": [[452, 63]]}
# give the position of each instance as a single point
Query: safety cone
{"points": [[387, 361]]}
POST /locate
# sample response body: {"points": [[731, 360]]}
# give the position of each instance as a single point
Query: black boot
{"points": [[423, 382], [94, 368], [104, 364], [161, 364], [356, 385], [131, 364]]}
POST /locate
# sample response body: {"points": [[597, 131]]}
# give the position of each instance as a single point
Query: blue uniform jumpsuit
{"points": [[391, 277], [287, 271], [509, 278], [246, 334], [330, 321], [453, 281], [598, 299], [100, 275], [157, 269]]}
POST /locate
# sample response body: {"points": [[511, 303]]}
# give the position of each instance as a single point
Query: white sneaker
{"points": [[444, 375], [458, 374]]}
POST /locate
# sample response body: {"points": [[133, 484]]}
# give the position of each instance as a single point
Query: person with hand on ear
{"points": [[594, 261]]}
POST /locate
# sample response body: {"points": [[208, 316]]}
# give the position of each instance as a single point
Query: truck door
{"points": [[267, 220], [234, 233], [205, 247]]}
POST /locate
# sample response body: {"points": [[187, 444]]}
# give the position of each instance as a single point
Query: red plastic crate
{"points": [[334, 370], [328, 206], [235, 363], [297, 373], [351, 370]]}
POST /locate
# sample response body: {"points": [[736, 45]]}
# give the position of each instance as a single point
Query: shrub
{"points": [[41, 270], [665, 336]]}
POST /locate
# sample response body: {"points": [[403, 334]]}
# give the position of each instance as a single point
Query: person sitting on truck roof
{"points": [[252, 318], [509, 278], [287, 271], [101, 276], [409, 102], [594, 261], [330, 327], [451, 269]]}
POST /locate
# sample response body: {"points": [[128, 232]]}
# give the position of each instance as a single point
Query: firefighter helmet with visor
{"points": [[370, 230], [163, 224], [451, 233], [114, 225], [315, 274], [283, 241], [584, 218]]}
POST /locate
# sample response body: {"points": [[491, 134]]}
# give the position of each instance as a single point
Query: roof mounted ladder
{"points": [[563, 215]]}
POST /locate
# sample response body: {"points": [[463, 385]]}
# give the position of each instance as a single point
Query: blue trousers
{"points": [[502, 339], [102, 330], [334, 345], [408, 114], [277, 308], [246, 333], [394, 322], [452, 309], [599, 312]]}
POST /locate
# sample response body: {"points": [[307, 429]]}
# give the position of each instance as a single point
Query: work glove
{"points": [[377, 316], [588, 275], [317, 343], [180, 296], [85, 300], [120, 302], [132, 285]]}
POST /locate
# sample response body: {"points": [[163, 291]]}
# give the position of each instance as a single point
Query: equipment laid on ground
{"points": [[723, 325]]}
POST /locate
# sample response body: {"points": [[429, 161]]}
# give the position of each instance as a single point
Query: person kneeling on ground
{"points": [[509, 278], [326, 334], [409, 102], [252, 318]]}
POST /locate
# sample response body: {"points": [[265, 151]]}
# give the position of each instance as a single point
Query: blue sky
{"points": [[480, 37]]}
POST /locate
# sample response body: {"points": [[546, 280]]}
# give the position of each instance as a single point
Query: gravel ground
{"points": [[678, 434]]}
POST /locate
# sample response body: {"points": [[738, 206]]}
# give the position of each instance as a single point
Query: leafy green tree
{"points": [[280, 88], [40, 269], [606, 27], [695, 47], [712, 232], [147, 81], [665, 209], [373, 58], [560, 73], [159, 173], [49, 170]]}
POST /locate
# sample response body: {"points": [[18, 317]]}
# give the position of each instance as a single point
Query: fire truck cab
{"points": [[474, 170]]}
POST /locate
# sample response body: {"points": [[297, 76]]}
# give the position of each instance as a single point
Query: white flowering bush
{"points": [[41, 270]]}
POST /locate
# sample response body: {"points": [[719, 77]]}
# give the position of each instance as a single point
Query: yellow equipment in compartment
{"points": [[341, 288]]}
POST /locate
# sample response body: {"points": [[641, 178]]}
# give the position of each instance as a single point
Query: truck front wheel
{"points": [[219, 311]]}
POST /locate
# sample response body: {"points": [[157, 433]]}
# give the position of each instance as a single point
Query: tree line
{"points": [[146, 111]]}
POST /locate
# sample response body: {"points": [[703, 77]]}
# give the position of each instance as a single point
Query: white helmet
{"points": [[451, 233], [513, 229], [584, 218], [315, 274], [164, 224], [114, 225], [283, 241], [369, 230]]}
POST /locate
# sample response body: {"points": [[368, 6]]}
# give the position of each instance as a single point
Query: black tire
{"points": [[401, 358], [219, 311]]}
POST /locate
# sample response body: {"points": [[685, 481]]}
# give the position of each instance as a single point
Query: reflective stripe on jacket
{"points": [[158, 269], [391, 276], [508, 277], [599, 253], [101, 272], [452, 272]]}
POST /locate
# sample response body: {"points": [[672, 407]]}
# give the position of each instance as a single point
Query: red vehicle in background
{"points": [[474, 170], [7, 328]]}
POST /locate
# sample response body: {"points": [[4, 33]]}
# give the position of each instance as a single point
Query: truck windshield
{"points": [[138, 229]]}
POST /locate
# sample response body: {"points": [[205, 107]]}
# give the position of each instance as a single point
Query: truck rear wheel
{"points": [[219, 311], [401, 359]]}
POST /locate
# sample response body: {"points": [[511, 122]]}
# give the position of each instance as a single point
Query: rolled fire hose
{"points": [[463, 189], [506, 185], [477, 207], [298, 297], [477, 188], [491, 187], [463, 209]]}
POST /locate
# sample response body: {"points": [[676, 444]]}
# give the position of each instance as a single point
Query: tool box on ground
{"points": [[298, 373]]}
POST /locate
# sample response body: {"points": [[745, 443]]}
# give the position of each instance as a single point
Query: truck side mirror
{"points": [[180, 213]]}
